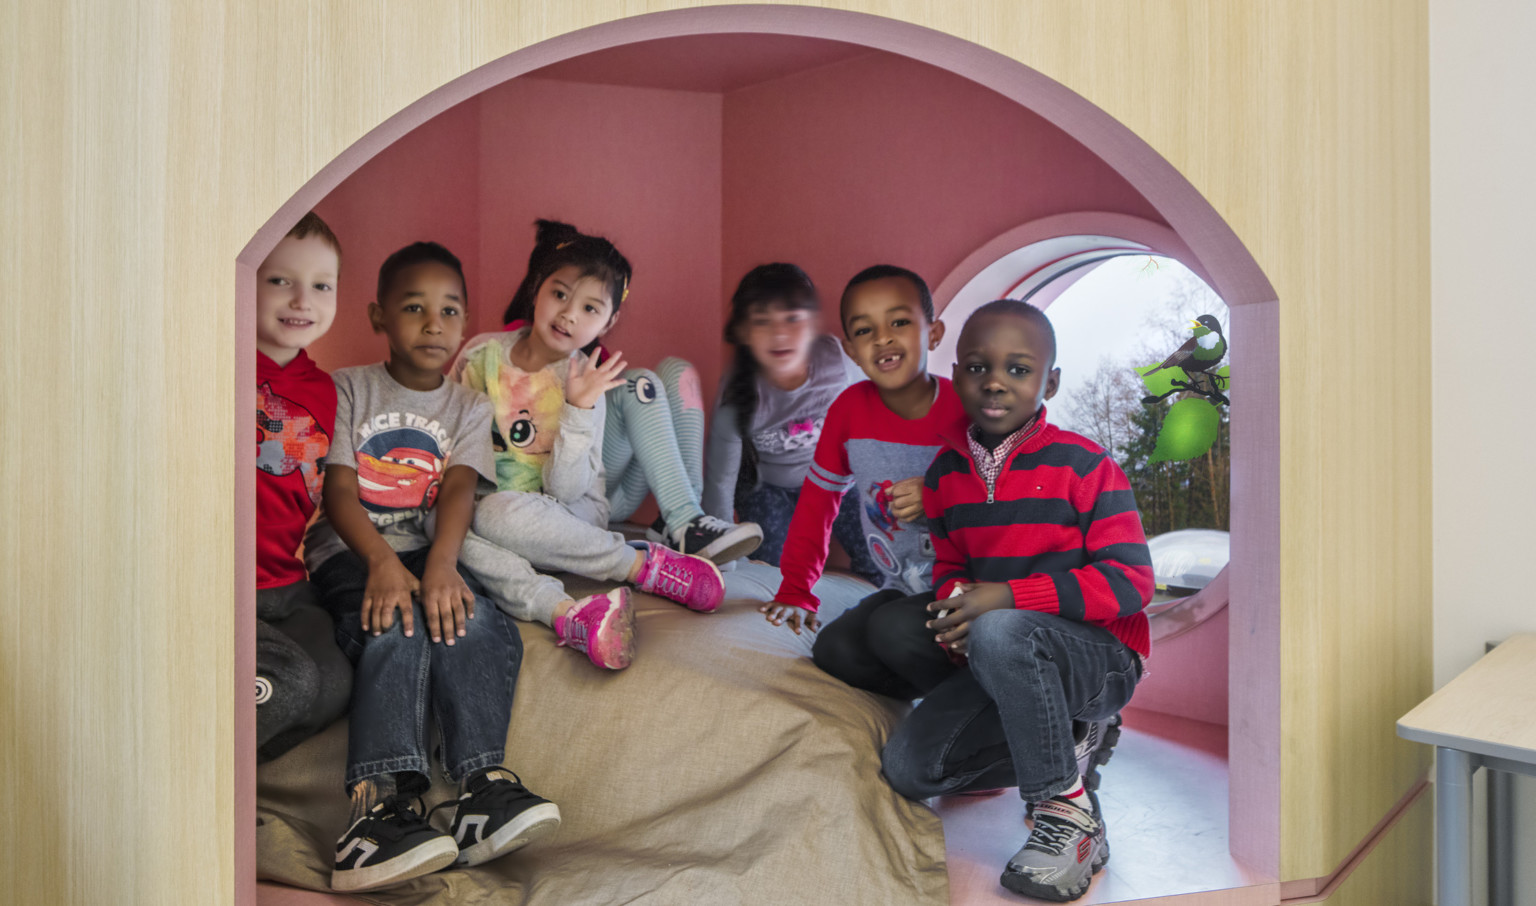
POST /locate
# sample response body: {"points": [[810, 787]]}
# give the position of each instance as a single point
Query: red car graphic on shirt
{"points": [[401, 479]]}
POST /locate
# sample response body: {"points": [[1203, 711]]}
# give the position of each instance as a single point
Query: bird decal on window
{"points": [[1199, 359]]}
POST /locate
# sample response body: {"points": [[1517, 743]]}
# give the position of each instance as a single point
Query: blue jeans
{"points": [[467, 687], [1005, 718], [772, 507]]}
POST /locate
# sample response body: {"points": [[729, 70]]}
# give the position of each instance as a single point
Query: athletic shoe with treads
{"points": [[691, 581], [713, 539], [390, 845], [602, 626], [1065, 848], [497, 815]]}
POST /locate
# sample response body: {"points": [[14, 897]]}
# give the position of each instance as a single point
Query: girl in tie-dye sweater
{"points": [[550, 512]]}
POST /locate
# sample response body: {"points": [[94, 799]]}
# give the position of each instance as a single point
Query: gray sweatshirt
{"points": [[785, 428]]}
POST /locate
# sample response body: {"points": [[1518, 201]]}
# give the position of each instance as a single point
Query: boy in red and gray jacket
{"points": [[1041, 577]]}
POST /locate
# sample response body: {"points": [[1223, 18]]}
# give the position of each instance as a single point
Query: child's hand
{"points": [[907, 499], [587, 381], [977, 599], [446, 601], [390, 586], [779, 613]]}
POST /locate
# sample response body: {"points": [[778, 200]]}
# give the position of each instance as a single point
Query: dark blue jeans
{"points": [[1004, 719], [400, 681], [772, 507]]}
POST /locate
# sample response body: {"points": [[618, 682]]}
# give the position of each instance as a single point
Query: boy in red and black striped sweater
{"points": [[1037, 537]]}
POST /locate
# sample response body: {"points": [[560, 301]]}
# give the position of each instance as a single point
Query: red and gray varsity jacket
{"points": [[1061, 528]]}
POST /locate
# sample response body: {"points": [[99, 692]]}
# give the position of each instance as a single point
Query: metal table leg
{"points": [[1501, 838], [1453, 826]]}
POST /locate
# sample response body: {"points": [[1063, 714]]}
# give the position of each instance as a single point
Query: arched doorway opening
{"points": [[1158, 196]]}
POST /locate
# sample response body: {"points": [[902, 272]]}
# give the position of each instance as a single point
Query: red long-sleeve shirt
{"points": [[866, 446], [1061, 528], [295, 418]]}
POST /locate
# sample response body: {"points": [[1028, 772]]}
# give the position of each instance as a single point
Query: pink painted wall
{"points": [[885, 159], [426, 186], [641, 166], [1187, 674], [875, 158]]}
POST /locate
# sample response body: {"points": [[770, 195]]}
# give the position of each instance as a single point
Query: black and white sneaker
{"points": [[496, 815], [1093, 743], [713, 539], [390, 845]]}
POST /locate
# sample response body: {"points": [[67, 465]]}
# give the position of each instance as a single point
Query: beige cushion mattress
{"points": [[722, 767]]}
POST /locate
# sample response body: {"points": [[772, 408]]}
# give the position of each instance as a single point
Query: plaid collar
{"points": [[990, 462]]}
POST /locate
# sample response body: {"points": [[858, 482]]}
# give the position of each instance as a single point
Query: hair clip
{"points": [[564, 244], [624, 294]]}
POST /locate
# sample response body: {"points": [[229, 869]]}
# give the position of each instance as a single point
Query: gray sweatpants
{"points": [[517, 536]]}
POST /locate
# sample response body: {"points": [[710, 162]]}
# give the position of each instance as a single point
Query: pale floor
{"points": [[1164, 797]]}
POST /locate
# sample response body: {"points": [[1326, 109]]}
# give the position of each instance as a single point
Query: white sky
{"points": [[1104, 315]]}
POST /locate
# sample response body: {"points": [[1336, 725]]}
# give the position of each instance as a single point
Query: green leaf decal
{"points": [[1189, 429], [1160, 382]]}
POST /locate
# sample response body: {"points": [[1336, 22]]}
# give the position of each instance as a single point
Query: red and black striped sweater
{"points": [[1061, 528]]}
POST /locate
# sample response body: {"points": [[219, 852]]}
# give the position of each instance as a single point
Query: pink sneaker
{"points": [[603, 626], [691, 581]]}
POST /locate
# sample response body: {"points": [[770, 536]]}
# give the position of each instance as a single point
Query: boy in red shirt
{"points": [[302, 679], [878, 437], [1041, 577]]}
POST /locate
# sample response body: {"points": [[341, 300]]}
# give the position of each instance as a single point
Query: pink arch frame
{"points": [[1213, 250]]}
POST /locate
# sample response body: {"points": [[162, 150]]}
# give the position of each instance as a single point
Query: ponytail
{"points": [[559, 245]]}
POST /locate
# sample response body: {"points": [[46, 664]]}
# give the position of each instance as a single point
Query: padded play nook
{"points": [[701, 156]]}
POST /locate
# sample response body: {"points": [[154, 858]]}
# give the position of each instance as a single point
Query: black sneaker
{"points": [[713, 539], [496, 815], [1093, 743], [390, 845]]}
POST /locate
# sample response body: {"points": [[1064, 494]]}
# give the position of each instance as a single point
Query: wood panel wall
{"points": [[145, 142]]}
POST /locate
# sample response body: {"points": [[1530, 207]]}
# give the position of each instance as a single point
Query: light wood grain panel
{"points": [[146, 142], [1399, 871], [1487, 708]]}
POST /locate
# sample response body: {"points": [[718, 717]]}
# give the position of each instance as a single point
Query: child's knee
{"points": [[903, 768], [288, 684], [394, 639], [1004, 633], [835, 646], [680, 377], [489, 626], [644, 386]]}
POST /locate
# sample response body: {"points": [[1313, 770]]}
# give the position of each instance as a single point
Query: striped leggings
{"points": [[653, 442]]}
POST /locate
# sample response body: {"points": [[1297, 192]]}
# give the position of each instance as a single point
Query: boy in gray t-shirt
{"points": [[409, 452]]}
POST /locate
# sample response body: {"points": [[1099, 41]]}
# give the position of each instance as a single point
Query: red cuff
{"points": [[1037, 592], [797, 599]]}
